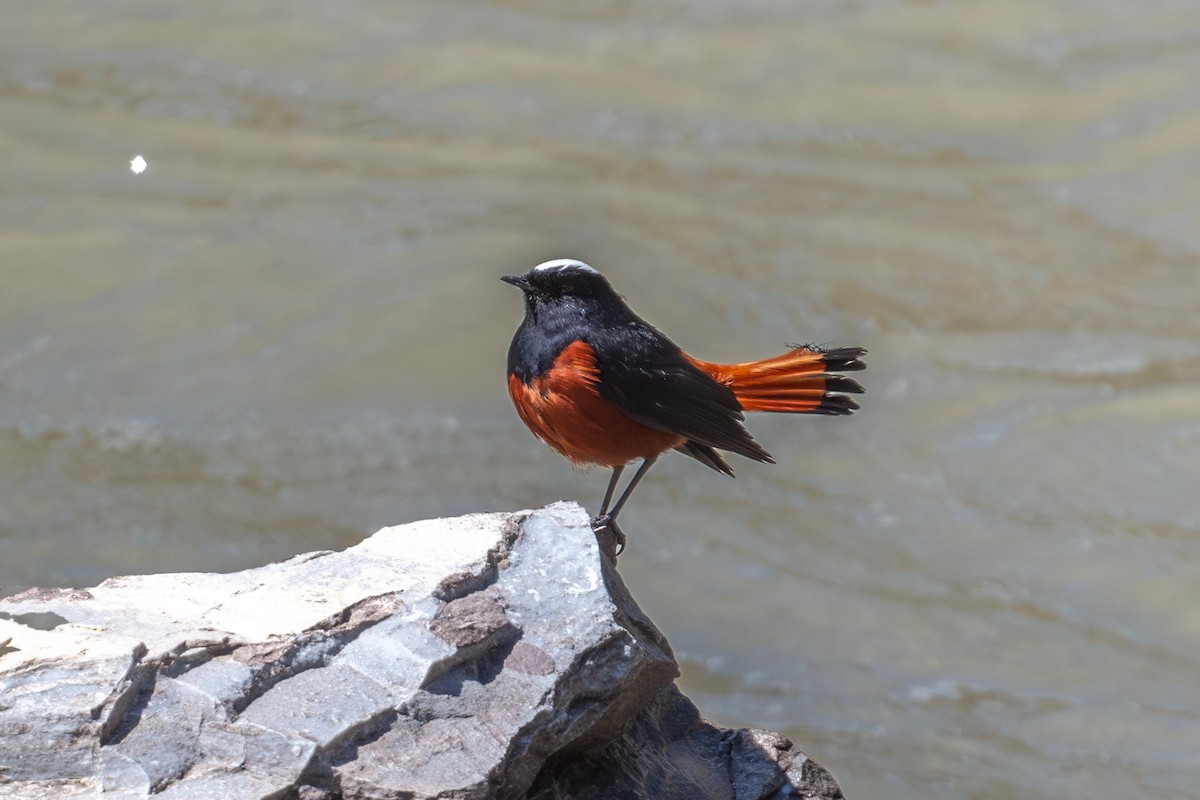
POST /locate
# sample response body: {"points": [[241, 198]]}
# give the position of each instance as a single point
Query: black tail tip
{"points": [[845, 359], [840, 383], [837, 387], [838, 359], [836, 405]]}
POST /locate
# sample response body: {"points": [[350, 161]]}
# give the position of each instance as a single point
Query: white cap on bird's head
{"points": [[563, 263]]}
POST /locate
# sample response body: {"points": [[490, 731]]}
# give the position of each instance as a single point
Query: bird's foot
{"points": [[604, 522]]}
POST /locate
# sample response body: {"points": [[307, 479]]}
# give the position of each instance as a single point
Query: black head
{"points": [[564, 281], [566, 301]]}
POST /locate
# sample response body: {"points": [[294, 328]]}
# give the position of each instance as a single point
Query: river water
{"points": [[289, 331]]}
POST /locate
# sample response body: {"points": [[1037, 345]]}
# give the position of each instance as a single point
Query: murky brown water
{"points": [[289, 331]]}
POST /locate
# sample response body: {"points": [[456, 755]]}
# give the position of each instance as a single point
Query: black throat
{"points": [[553, 323]]}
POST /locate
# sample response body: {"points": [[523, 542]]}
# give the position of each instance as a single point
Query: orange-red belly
{"points": [[564, 409]]}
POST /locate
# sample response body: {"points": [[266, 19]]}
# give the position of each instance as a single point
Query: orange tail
{"points": [[803, 380]]}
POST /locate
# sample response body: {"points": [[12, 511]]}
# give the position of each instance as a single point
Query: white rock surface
{"points": [[491, 655]]}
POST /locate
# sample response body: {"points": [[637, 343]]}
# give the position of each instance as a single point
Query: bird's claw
{"points": [[606, 523]]}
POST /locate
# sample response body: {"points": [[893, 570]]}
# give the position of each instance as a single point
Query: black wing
{"points": [[645, 375]]}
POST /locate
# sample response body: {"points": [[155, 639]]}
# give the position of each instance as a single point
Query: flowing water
{"points": [[288, 331]]}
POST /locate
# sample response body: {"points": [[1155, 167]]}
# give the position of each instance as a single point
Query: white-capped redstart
{"points": [[600, 385]]}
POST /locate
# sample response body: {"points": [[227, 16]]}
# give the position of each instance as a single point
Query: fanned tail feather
{"points": [[804, 380]]}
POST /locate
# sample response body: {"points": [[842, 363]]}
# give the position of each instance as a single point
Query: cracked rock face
{"points": [[492, 655]]}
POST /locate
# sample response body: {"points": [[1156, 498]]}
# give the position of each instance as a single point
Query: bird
{"points": [[603, 387]]}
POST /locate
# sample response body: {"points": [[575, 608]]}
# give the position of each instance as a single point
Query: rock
{"points": [[491, 655]]}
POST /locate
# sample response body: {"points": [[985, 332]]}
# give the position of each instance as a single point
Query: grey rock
{"points": [[494, 655]]}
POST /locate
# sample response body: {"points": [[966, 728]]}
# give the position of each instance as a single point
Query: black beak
{"points": [[519, 281]]}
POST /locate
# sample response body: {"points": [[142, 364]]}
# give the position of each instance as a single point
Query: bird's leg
{"points": [[608, 519], [612, 486], [603, 521], [647, 463]]}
